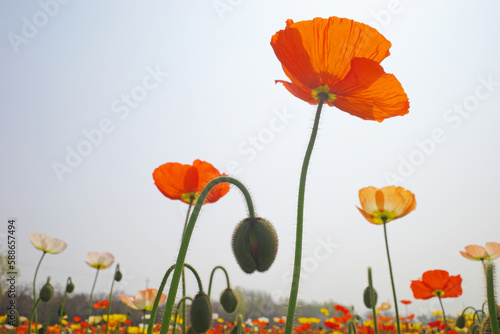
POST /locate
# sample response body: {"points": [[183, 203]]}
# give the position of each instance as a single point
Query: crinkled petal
{"points": [[370, 93], [320, 51], [453, 287], [421, 290], [435, 279]]}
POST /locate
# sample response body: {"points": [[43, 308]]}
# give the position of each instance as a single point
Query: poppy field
{"points": [[328, 63]]}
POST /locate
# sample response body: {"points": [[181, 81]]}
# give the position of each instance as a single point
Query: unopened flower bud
{"points": [[460, 323], [229, 300], [367, 299], [201, 313], [118, 276], [255, 244], [47, 292], [70, 286]]}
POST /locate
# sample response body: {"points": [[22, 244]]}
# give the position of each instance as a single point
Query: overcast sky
{"points": [[96, 95]]}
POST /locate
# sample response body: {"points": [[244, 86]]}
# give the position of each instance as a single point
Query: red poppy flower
{"points": [[406, 302], [185, 182], [102, 304], [338, 60], [437, 283]]}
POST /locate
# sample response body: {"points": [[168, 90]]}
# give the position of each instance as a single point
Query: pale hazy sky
{"points": [[174, 81]]}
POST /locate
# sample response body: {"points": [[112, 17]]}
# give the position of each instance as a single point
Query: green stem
{"points": [[183, 301], [117, 268], [444, 315], [33, 311], [152, 316], [392, 278], [294, 290], [212, 276], [183, 269], [239, 324], [91, 293], [61, 313], [187, 237], [143, 320], [198, 279], [34, 283], [156, 303], [490, 293], [372, 300], [51, 310]]}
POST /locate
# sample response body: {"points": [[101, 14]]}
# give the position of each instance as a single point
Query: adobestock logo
{"points": [[31, 26], [121, 106], [453, 117], [223, 6]]}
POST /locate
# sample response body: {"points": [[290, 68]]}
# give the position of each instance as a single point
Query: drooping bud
{"points": [[366, 297], [70, 286], [47, 292], [118, 276], [255, 244], [460, 323], [229, 300], [201, 312]]}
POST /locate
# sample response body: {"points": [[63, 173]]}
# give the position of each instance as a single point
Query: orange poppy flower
{"points": [[185, 182], [102, 304], [406, 302], [437, 283], [478, 253], [380, 206], [338, 60], [143, 299]]}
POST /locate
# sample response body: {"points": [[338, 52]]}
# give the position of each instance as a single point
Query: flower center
{"points": [[190, 197], [323, 92], [438, 293]]}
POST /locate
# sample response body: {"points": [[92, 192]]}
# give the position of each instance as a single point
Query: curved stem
{"points": [[117, 268], [212, 276], [183, 276], [33, 311], [372, 300], [152, 316], [91, 293], [187, 237], [61, 313], [51, 310], [34, 283], [292, 302], [444, 315], [392, 279], [198, 279], [183, 301], [490, 293]]}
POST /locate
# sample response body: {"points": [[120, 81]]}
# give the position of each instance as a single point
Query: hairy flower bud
{"points": [[229, 300], [201, 313], [366, 297], [47, 292], [255, 244]]}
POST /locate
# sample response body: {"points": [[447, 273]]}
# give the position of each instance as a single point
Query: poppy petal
{"points": [[453, 287], [383, 99], [436, 279], [421, 290], [326, 48]]}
